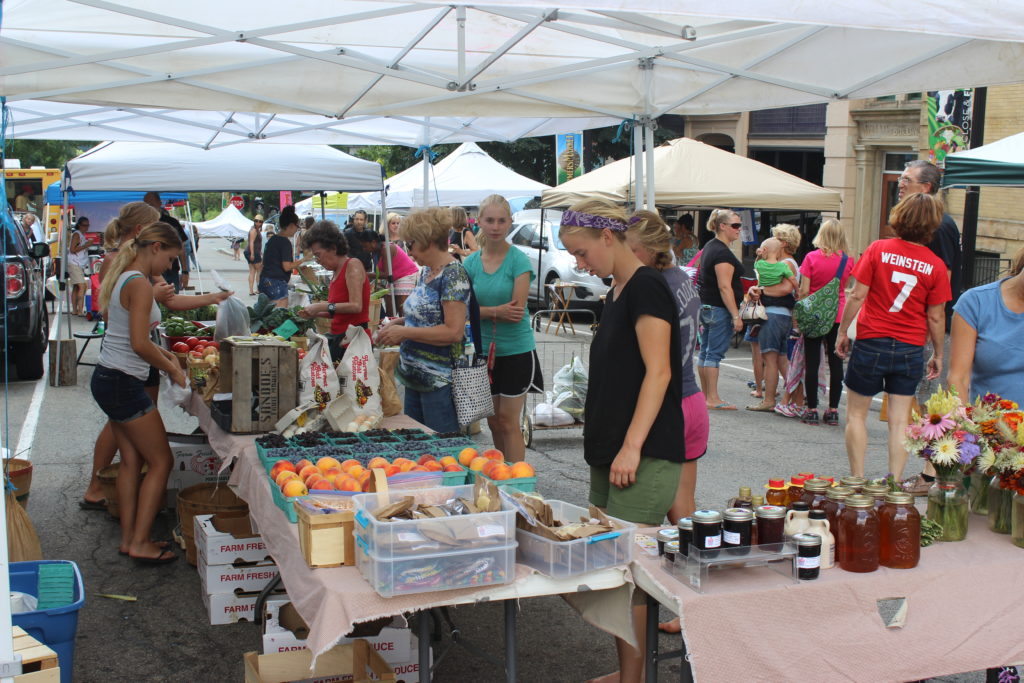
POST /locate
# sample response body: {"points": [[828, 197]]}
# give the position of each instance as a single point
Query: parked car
{"points": [[25, 324], [550, 260]]}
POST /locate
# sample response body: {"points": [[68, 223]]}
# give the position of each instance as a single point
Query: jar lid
{"points": [[756, 501], [685, 523], [776, 483], [805, 475], [839, 492], [876, 490], [739, 515], [816, 485], [668, 535], [799, 506], [853, 481], [807, 539], [860, 501], [672, 547], [797, 480], [745, 491], [899, 497], [771, 511], [830, 480], [706, 516], [817, 514]]}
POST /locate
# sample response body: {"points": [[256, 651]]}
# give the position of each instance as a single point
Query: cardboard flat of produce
{"points": [[225, 540]]}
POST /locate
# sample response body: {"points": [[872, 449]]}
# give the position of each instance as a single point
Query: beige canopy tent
{"points": [[691, 173]]}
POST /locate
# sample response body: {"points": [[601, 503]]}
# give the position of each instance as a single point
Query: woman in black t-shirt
{"points": [[278, 259], [633, 452], [720, 294]]}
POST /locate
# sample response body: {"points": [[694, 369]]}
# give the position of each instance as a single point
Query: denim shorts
{"points": [[774, 333], [274, 289], [715, 333], [884, 364], [435, 409], [121, 396]]}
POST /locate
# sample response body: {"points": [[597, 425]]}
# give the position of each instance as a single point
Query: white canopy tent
{"points": [[463, 178], [230, 223], [691, 173]]}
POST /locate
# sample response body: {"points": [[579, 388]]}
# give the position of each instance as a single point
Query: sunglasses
{"points": [[735, 225]]}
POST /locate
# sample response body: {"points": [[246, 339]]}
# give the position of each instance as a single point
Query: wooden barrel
{"points": [[205, 499], [108, 482], [19, 471]]}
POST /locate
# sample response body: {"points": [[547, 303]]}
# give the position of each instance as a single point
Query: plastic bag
{"points": [[232, 314], [548, 415], [570, 387], [177, 395], [318, 382], [358, 373]]}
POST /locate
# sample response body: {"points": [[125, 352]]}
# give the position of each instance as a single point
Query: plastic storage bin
{"points": [[386, 540], [55, 627], [392, 576], [569, 558]]}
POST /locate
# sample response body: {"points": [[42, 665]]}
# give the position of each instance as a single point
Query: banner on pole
{"points": [[568, 156], [286, 198], [949, 123]]}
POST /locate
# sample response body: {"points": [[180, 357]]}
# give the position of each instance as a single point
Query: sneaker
{"points": [[811, 417], [788, 410], [832, 417], [916, 486]]}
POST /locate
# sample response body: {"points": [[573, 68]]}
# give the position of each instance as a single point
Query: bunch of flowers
{"points": [[945, 434], [1004, 422]]}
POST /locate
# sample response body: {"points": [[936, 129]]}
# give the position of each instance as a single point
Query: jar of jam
{"points": [[670, 554], [707, 532], [776, 493], [771, 524], [814, 493], [834, 498], [664, 536], [853, 482], [876, 491], [736, 530], [685, 528], [900, 532], [859, 535], [795, 491], [808, 556]]}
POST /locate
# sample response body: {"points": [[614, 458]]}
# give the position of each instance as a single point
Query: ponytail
{"points": [[130, 217], [157, 233], [652, 233]]}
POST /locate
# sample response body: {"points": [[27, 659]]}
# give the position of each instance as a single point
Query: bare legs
{"points": [[78, 299], [684, 503], [771, 376], [103, 453], [856, 430], [758, 361], [709, 385], [631, 660], [254, 277], [504, 426], [142, 440], [899, 417]]}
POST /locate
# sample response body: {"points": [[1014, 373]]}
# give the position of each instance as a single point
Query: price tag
{"points": [[287, 329]]}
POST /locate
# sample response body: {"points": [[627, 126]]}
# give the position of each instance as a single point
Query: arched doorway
{"points": [[719, 140]]}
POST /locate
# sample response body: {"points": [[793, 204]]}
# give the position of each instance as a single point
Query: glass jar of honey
{"points": [[795, 491], [900, 532], [776, 493], [834, 498], [859, 535], [853, 482], [876, 491], [814, 493]]}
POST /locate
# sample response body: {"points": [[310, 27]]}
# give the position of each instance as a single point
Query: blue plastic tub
{"points": [[55, 627]]}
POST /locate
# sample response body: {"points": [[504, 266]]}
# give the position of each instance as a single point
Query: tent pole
{"points": [[649, 158], [638, 166], [192, 233], [387, 249], [323, 205], [540, 260]]}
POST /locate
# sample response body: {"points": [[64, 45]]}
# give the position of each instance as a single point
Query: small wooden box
{"points": [[262, 376], [38, 662], [326, 540]]}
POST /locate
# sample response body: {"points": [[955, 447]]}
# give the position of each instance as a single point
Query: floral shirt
{"points": [[425, 367]]}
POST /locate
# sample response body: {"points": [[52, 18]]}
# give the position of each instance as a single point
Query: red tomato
{"points": [[302, 354], [213, 345], [199, 347], [180, 347], [195, 354], [191, 341]]}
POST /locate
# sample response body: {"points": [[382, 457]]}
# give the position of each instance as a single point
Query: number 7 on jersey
{"points": [[908, 283]]}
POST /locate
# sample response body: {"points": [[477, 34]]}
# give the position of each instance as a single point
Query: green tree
{"points": [[45, 153]]}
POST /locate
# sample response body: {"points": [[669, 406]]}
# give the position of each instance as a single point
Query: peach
{"points": [[294, 487], [489, 467], [448, 460], [322, 485], [432, 466], [330, 471], [522, 469], [366, 486], [348, 463], [327, 462], [281, 466], [477, 463], [377, 463], [425, 458], [418, 468], [308, 470], [392, 470], [466, 456], [283, 476], [494, 454], [302, 464], [356, 471], [452, 468], [332, 476], [500, 471], [401, 461], [346, 483], [312, 479]]}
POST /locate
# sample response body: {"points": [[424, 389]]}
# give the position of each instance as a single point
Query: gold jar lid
{"points": [[839, 492], [899, 497], [816, 485], [876, 490], [860, 501], [855, 482]]}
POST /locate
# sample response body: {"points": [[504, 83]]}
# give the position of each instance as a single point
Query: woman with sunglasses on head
{"points": [[720, 294]]}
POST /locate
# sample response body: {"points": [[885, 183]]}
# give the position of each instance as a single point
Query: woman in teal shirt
{"points": [[501, 279]]}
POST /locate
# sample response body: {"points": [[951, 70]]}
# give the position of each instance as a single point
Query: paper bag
{"points": [[318, 383], [389, 401], [358, 374]]}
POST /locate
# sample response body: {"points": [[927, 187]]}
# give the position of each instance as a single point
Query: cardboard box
{"points": [[355, 662], [284, 630], [194, 462], [297, 664], [262, 378], [225, 540], [229, 608], [238, 576]]}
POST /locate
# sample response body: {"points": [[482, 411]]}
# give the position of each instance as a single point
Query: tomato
{"points": [[199, 347], [180, 347], [191, 341], [195, 354], [213, 345]]}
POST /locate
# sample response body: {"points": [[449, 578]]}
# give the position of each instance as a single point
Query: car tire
{"points": [[28, 356]]}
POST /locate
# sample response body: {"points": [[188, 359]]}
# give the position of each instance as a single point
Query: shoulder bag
{"points": [[815, 314], [471, 384]]}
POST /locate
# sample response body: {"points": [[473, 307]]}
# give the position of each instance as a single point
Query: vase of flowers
{"points": [[977, 491], [1017, 521], [947, 506], [1000, 506], [1001, 426]]}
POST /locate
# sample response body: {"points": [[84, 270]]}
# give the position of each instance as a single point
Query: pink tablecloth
{"points": [[333, 600], [964, 614]]}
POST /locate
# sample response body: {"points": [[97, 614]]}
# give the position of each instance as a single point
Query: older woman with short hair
{"points": [[899, 300], [432, 332]]}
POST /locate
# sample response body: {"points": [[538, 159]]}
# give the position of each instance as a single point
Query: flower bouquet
{"points": [[945, 436], [1002, 428], [987, 412]]}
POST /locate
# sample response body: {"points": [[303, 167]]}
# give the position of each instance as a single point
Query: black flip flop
{"points": [[159, 559], [163, 545], [93, 504]]}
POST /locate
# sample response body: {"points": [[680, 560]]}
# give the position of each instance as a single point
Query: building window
{"points": [[806, 121], [895, 162], [806, 164]]}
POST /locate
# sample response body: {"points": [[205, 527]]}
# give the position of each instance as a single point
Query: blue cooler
{"points": [[55, 626]]}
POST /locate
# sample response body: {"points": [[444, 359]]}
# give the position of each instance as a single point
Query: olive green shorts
{"points": [[645, 502]]}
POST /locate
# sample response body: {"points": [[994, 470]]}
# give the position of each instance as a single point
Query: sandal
{"points": [[163, 545], [166, 557], [100, 504], [762, 407]]}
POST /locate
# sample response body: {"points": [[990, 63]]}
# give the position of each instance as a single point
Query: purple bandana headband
{"points": [[589, 220]]}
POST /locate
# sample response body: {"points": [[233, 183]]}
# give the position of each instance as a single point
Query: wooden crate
{"points": [[265, 370], [326, 540], [358, 659], [38, 662]]}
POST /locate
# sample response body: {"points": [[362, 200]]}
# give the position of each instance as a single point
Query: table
{"points": [[561, 297], [333, 600], [964, 605]]}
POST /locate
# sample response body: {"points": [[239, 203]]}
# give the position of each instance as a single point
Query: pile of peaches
{"points": [[491, 463]]}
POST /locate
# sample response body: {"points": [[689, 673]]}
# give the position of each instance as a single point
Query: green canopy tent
{"points": [[999, 163]]}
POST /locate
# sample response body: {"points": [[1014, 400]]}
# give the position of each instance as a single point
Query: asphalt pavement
{"points": [[164, 634]]}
